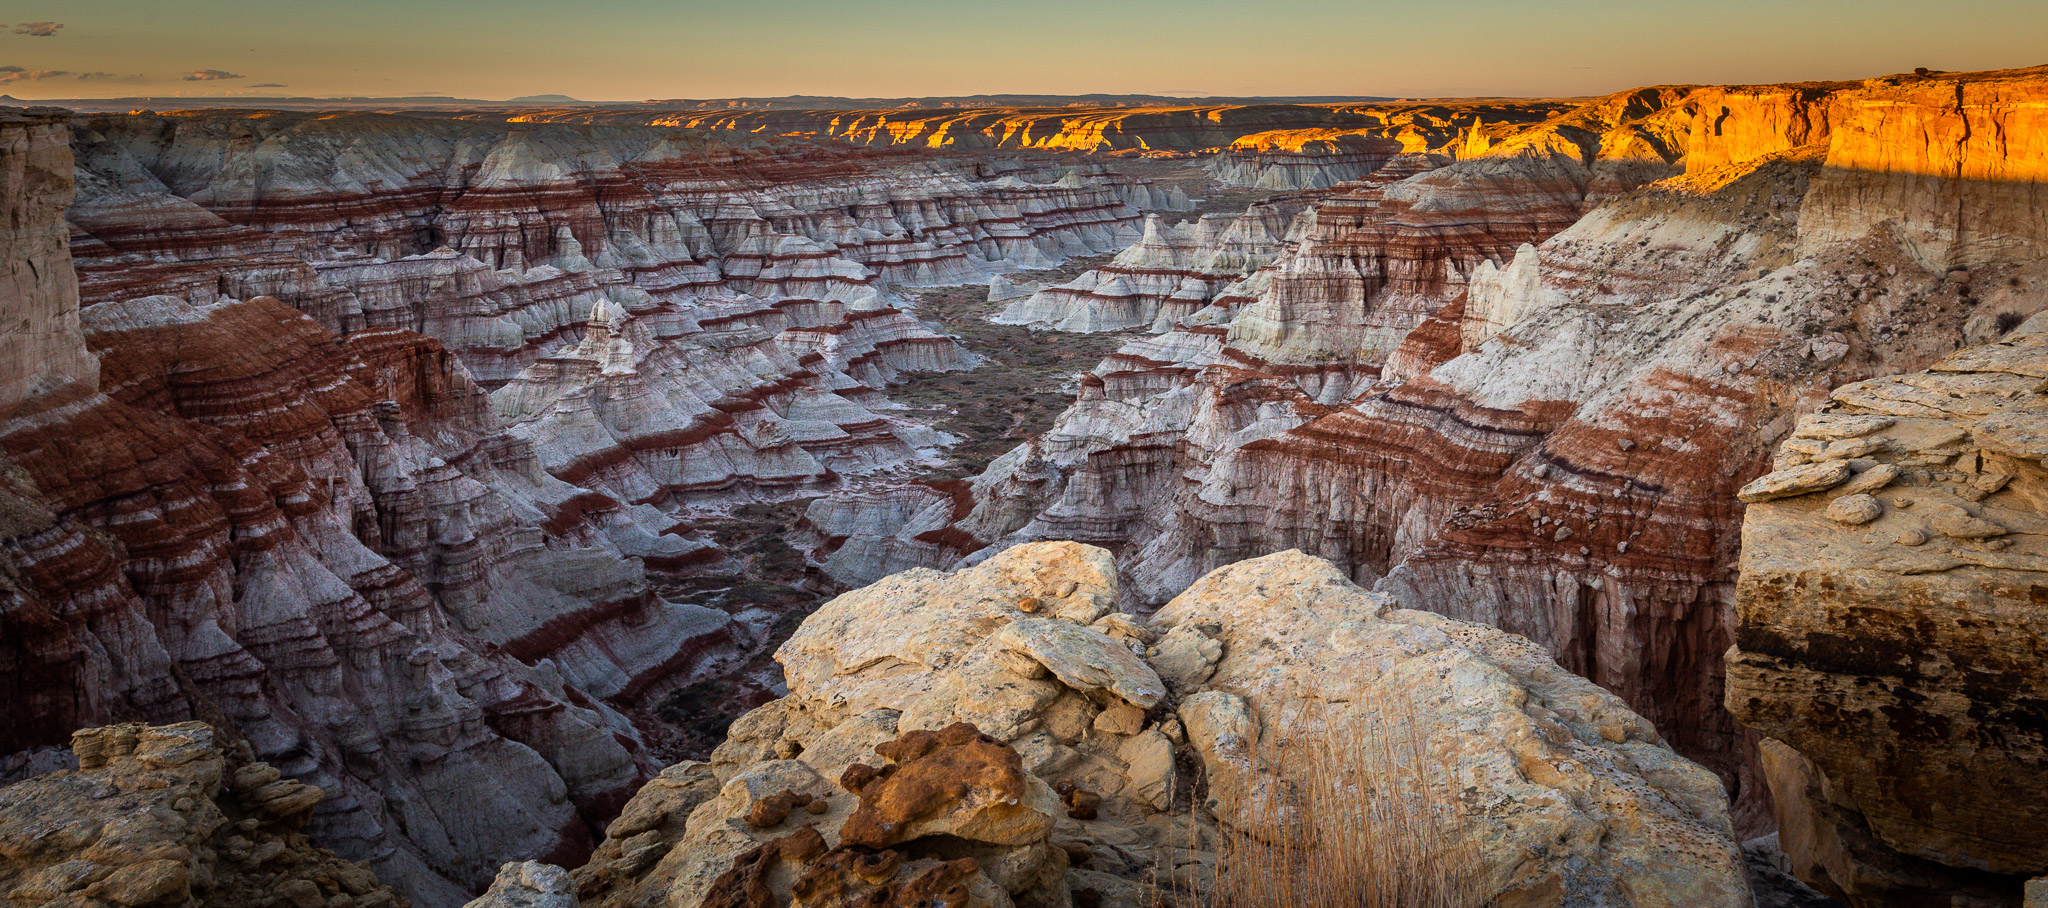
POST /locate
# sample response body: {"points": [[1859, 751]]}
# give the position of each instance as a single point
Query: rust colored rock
{"points": [[773, 809], [954, 781], [858, 776], [745, 885], [849, 877]]}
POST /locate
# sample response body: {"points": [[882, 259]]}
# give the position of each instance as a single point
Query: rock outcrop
{"points": [[1000, 736], [1291, 160], [170, 816], [39, 349], [1164, 129], [327, 547], [1547, 434], [1890, 631]]}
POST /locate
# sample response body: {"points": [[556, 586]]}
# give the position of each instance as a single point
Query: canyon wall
{"points": [[1522, 388], [395, 418], [744, 288], [1343, 134], [38, 345], [1890, 631], [327, 546]]}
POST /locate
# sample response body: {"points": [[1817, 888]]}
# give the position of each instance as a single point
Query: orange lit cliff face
{"points": [[1127, 130]]}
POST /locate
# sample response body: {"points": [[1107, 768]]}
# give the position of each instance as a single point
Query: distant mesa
{"points": [[544, 99]]}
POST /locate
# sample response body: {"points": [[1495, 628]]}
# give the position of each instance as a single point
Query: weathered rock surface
{"points": [[920, 728], [1894, 661], [528, 884], [1548, 435], [1170, 274], [170, 816], [1290, 160], [327, 547], [1158, 129], [39, 348]]}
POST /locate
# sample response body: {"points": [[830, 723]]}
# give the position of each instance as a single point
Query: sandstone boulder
{"points": [[171, 817], [979, 717], [1893, 660]]}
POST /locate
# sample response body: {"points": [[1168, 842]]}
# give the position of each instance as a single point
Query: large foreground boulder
{"points": [[1892, 631], [1000, 737]]}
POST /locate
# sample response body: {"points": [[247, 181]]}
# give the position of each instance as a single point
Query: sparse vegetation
{"points": [[1359, 817]]}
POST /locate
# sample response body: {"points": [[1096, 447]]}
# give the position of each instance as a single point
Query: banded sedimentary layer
{"points": [[743, 288], [327, 546], [1170, 274], [1523, 387], [1290, 160]]}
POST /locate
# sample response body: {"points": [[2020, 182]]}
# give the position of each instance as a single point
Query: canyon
{"points": [[470, 465]]}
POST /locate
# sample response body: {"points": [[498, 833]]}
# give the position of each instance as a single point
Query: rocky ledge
{"points": [[1893, 570], [1000, 736], [170, 816]]}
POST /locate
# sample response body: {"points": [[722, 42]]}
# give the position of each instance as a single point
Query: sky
{"points": [[639, 49]]}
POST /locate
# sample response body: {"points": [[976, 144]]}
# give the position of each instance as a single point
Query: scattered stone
{"points": [[1854, 510], [1120, 720], [1872, 479], [1801, 480]]}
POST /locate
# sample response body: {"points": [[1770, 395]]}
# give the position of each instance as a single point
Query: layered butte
{"points": [[1522, 387]]}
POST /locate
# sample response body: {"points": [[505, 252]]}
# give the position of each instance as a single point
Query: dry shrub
{"points": [[1351, 818]]}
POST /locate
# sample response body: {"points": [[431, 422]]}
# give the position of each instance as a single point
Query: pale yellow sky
{"points": [[637, 49]]}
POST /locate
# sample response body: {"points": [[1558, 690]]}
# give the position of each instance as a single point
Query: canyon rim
{"points": [[1633, 497]]}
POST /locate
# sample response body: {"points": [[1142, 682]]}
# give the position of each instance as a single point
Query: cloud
{"points": [[270, 85], [112, 77], [17, 74], [38, 29], [210, 75]]}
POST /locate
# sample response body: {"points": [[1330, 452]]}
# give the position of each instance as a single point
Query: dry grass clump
{"points": [[1340, 813]]}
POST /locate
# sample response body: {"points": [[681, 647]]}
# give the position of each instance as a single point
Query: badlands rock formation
{"points": [[1890, 631], [171, 816], [1000, 736], [39, 349], [1170, 274], [1553, 445], [674, 320], [327, 547], [1134, 130]]}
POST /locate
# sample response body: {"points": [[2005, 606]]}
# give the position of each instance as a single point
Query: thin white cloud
{"points": [[210, 75], [17, 74]]}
